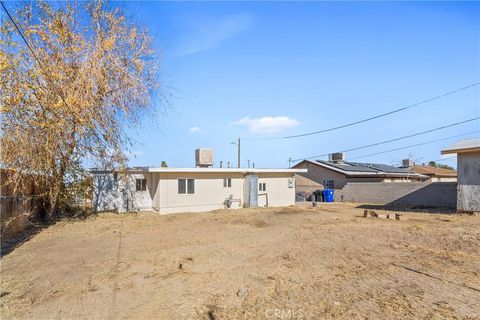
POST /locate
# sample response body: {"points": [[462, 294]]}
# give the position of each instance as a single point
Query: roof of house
{"points": [[463, 146], [434, 171], [365, 169], [204, 170]]}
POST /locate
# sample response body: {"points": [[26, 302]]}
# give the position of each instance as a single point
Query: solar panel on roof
{"points": [[365, 167]]}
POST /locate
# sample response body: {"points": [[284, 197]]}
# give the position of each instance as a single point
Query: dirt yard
{"points": [[288, 263]]}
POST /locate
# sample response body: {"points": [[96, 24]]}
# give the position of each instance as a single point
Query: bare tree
{"points": [[68, 96]]}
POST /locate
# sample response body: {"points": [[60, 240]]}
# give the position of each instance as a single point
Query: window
{"points": [[227, 182], [329, 184], [190, 186], [182, 188], [141, 185], [262, 186], [186, 186]]}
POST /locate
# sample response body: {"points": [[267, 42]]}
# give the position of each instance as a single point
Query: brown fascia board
{"points": [[441, 175], [465, 150]]}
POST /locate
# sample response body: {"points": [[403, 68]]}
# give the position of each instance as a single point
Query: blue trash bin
{"points": [[328, 195]]}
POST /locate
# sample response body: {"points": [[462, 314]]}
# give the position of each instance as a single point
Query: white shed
{"points": [[468, 171]]}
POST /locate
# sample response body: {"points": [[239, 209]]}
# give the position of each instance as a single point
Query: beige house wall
{"points": [[210, 194], [304, 184], [318, 174], [280, 189], [113, 192]]}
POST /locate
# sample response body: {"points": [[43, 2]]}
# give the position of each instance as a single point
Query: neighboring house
{"points": [[468, 168], [436, 174], [173, 190], [336, 174]]}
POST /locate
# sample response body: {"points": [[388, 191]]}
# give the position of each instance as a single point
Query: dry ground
{"points": [[297, 262]]}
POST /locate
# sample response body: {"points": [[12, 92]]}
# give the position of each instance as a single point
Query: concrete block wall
{"points": [[401, 195]]}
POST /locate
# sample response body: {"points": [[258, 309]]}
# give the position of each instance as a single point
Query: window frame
{"points": [[329, 184], [262, 186], [186, 186], [142, 182], [227, 182]]}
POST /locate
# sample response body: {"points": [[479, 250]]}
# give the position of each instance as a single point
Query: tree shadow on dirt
{"points": [[11, 241]]}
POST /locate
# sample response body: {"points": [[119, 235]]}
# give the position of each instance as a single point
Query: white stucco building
{"points": [[174, 190]]}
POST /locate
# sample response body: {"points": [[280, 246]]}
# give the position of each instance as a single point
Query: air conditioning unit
{"points": [[407, 163], [204, 157], [337, 157]]}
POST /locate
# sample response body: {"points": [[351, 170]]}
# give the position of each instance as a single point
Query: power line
{"points": [[20, 32], [415, 145], [33, 53], [396, 139], [370, 118]]}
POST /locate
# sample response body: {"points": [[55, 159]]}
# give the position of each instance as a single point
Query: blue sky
{"points": [[269, 69]]}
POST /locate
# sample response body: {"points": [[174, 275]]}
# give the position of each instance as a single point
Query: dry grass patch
{"points": [[323, 262]]}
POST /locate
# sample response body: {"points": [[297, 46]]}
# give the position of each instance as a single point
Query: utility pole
{"points": [[238, 152], [289, 162]]}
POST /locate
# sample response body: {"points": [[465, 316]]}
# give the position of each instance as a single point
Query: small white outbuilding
{"points": [[468, 171], [174, 190]]}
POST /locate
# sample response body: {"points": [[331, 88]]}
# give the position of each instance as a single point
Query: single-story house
{"points": [[436, 174], [174, 190], [336, 174], [468, 168]]}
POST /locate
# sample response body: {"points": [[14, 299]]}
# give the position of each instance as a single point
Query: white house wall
{"points": [[280, 189], [162, 191], [116, 192], [210, 194], [106, 194]]}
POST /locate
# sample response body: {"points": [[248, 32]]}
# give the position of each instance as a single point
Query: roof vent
{"points": [[337, 157], [204, 157], [407, 163]]}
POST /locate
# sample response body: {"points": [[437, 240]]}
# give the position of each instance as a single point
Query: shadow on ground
{"points": [[10, 242], [423, 209]]}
